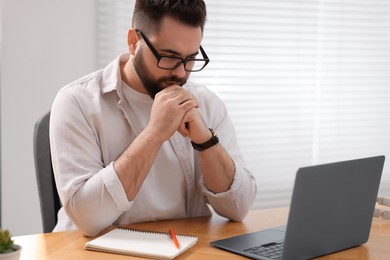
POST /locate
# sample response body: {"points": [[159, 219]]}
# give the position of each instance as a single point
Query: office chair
{"points": [[48, 194]]}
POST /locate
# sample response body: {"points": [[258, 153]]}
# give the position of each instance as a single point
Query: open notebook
{"points": [[141, 243]]}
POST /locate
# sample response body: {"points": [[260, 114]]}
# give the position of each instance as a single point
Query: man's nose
{"points": [[179, 72]]}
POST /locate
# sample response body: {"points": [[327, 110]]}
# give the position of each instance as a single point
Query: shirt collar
{"points": [[112, 78]]}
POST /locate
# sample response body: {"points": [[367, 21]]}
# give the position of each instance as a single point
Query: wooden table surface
{"points": [[70, 244]]}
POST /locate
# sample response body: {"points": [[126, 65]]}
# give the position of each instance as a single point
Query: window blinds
{"points": [[305, 82]]}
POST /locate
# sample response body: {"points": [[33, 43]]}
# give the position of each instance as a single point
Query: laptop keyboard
{"points": [[271, 250]]}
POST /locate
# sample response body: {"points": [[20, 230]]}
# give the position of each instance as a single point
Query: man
{"points": [[135, 142]]}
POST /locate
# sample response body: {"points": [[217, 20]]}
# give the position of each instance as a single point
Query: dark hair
{"points": [[148, 14]]}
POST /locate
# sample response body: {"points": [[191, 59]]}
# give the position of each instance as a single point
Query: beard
{"points": [[153, 86]]}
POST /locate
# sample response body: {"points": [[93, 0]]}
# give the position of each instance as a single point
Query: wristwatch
{"points": [[209, 143]]}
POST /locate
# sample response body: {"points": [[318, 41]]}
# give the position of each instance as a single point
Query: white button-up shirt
{"points": [[94, 119]]}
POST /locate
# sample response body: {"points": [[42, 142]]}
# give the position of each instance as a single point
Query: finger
{"points": [[184, 125], [183, 130], [189, 104], [178, 93], [180, 130]]}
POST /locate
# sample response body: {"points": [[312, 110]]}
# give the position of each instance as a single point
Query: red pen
{"points": [[174, 238]]}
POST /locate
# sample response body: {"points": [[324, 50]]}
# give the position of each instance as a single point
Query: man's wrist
{"points": [[213, 140]]}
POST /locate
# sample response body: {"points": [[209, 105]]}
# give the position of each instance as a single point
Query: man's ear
{"points": [[132, 39]]}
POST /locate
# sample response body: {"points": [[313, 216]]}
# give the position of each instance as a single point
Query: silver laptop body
{"points": [[331, 209]]}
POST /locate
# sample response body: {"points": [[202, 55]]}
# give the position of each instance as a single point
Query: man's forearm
{"points": [[217, 168], [134, 163]]}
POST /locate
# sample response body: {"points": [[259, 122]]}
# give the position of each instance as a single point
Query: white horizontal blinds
{"points": [[305, 82], [113, 22], [260, 59]]}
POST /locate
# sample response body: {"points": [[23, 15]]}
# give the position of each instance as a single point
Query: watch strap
{"points": [[209, 143]]}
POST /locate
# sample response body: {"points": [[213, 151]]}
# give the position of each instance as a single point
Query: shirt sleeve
{"points": [[86, 186], [235, 202]]}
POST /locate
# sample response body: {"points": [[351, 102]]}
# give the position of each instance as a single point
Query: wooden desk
{"points": [[70, 245]]}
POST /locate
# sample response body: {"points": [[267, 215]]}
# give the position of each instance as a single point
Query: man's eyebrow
{"points": [[177, 53]]}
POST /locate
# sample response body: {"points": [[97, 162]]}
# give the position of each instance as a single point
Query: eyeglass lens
{"points": [[190, 64]]}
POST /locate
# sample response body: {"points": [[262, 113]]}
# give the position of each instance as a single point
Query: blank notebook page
{"points": [[141, 243]]}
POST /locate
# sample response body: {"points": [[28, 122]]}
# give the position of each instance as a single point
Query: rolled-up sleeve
{"points": [[235, 202], [90, 191]]}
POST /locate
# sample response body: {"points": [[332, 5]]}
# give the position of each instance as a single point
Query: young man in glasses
{"points": [[136, 142]]}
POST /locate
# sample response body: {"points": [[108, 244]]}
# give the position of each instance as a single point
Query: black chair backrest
{"points": [[48, 194]]}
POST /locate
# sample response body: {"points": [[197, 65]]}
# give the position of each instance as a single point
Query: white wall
{"points": [[45, 45]]}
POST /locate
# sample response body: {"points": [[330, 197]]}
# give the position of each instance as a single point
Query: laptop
{"points": [[331, 209]]}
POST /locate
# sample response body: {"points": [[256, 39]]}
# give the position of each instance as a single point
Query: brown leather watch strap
{"points": [[209, 143]]}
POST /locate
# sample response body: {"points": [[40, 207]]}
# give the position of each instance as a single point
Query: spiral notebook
{"points": [[141, 243]]}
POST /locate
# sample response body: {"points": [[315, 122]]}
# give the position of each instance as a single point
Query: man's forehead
{"points": [[178, 37], [173, 28]]}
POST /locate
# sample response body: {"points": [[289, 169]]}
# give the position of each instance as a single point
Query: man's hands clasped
{"points": [[176, 109]]}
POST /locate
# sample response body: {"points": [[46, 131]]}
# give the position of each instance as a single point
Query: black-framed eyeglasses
{"points": [[170, 63]]}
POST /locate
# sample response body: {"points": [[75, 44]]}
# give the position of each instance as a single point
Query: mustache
{"points": [[177, 80]]}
